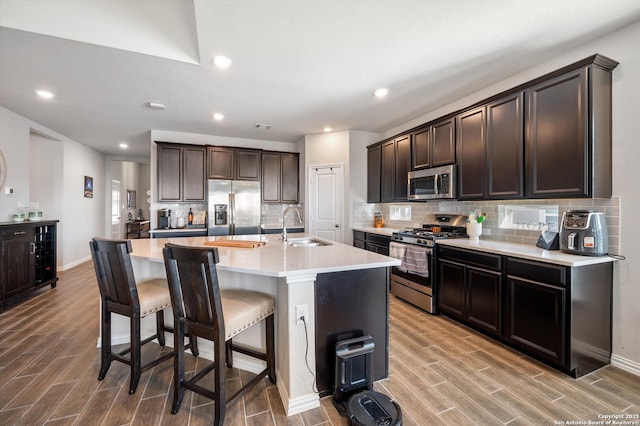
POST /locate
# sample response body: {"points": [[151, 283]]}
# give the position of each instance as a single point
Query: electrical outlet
{"points": [[302, 311]]}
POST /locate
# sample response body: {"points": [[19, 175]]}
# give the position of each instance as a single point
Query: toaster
{"points": [[584, 232]]}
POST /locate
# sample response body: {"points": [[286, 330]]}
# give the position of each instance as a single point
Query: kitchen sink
{"points": [[306, 242]]}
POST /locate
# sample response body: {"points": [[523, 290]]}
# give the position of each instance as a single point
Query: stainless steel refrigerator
{"points": [[234, 207]]}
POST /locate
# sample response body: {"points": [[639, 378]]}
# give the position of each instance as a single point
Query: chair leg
{"points": [[271, 354], [178, 366], [105, 352], [229, 352], [160, 326], [220, 386], [135, 354]]}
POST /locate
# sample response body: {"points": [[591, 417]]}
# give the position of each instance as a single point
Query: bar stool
{"points": [[120, 294], [201, 309]]}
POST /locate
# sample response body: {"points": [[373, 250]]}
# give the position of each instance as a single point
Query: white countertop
{"points": [[274, 258], [372, 230], [526, 251]]}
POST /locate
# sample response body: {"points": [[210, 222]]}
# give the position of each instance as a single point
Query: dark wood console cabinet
{"points": [[558, 314], [27, 259], [138, 229]]}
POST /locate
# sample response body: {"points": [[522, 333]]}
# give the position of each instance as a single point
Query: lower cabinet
{"points": [[372, 242], [558, 314], [27, 259], [470, 288]]}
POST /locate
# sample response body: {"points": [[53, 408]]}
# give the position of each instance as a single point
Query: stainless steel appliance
{"points": [[413, 279], [164, 219], [433, 183], [234, 207], [584, 232]]}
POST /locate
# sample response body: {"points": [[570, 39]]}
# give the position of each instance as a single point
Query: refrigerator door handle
{"points": [[232, 213]]}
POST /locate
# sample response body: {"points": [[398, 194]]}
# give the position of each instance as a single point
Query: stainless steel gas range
{"points": [[414, 279]]}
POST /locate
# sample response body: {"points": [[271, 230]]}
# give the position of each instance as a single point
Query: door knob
{"points": [[337, 225]]}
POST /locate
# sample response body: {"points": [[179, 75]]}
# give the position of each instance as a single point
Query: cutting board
{"points": [[234, 243]]}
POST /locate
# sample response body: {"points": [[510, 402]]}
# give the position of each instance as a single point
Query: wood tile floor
{"points": [[440, 373]]}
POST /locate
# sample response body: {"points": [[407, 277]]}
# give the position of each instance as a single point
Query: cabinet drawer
{"points": [[379, 239], [471, 257], [536, 271], [359, 235]]}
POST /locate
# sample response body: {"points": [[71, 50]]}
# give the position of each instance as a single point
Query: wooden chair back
{"points": [[114, 272]]}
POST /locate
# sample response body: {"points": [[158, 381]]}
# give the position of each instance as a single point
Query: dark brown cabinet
{"points": [[181, 173], [505, 147], [138, 229], [470, 287], [233, 163], [27, 259], [472, 147], [433, 145], [558, 314], [568, 142], [280, 177], [374, 165], [395, 165]]}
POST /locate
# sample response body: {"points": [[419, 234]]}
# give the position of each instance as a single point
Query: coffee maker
{"points": [[164, 218], [584, 232]]}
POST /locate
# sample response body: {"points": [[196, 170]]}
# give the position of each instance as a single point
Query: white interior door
{"points": [[116, 231], [325, 198]]}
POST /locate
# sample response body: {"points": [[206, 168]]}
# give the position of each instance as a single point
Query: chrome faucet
{"points": [[284, 225]]}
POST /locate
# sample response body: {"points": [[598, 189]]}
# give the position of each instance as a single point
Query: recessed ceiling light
{"points": [[221, 61], [157, 105], [218, 116], [327, 129], [124, 145], [381, 92], [45, 94]]}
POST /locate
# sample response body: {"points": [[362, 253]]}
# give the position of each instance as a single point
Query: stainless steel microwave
{"points": [[433, 183]]}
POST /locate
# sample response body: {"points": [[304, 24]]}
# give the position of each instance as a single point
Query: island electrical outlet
{"points": [[302, 311]]}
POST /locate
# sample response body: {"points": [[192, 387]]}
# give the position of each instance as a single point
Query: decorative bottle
{"points": [[190, 217]]}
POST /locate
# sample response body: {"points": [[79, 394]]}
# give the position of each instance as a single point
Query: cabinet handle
{"points": [[33, 248], [19, 232]]}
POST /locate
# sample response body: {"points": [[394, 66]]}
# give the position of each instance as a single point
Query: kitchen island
{"points": [[345, 291]]}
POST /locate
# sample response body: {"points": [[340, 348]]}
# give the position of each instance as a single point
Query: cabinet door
{"points": [[471, 154], [289, 184], [270, 177], [169, 172], [484, 296], [403, 166], [443, 148], [194, 173], [247, 165], [373, 173], [536, 318], [421, 149], [387, 180], [221, 163], [451, 292], [557, 154], [18, 261], [505, 147]]}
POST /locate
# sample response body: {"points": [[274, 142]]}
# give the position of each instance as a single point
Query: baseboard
{"points": [[625, 364], [299, 404], [73, 264]]}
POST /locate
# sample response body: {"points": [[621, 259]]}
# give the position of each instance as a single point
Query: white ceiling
{"points": [[297, 65]]}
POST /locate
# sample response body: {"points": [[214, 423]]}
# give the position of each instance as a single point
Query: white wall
{"points": [[80, 218], [621, 46]]}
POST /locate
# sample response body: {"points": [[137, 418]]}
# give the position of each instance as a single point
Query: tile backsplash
{"points": [[362, 216]]}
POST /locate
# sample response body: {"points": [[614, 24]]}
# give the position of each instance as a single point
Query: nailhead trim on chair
{"points": [[244, 327]]}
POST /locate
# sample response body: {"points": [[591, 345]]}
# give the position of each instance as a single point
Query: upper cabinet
{"points": [[280, 181], [181, 173], [472, 147], [568, 141], [547, 138], [233, 163], [433, 145], [374, 158], [395, 165]]}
